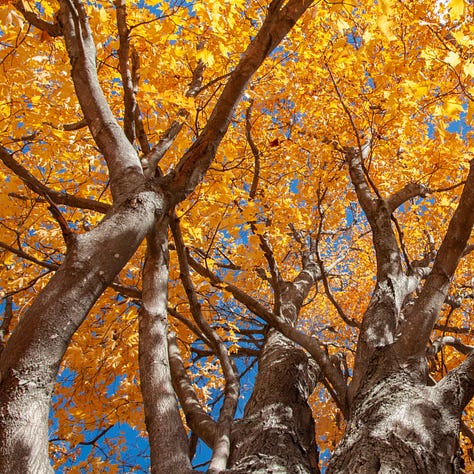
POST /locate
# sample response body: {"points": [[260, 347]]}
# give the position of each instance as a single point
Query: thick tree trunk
{"points": [[277, 433], [31, 357], [398, 424]]}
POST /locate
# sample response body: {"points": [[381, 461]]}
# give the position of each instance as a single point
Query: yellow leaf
{"points": [[456, 9], [469, 69], [103, 15], [385, 26], [9, 258], [452, 58]]}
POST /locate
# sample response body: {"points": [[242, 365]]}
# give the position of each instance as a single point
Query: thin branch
{"points": [[197, 419], [97, 437], [255, 151], [138, 118], [39, 188], [67, 232], [349, 321], [69, 127], [195, 329], [53, 29], [221, 447]]}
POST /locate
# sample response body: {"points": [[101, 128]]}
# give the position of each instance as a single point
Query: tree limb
{"points": [[221, 447], [455, 342], [197, 419], [457, 386], [191, 168], [411, 190], [311, 344], [38, 187], [162, 418], [122, 160], [53, 29], [129, 100], [422, 318]]}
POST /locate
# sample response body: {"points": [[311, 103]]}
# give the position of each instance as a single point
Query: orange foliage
{"points": [[397, 75]]}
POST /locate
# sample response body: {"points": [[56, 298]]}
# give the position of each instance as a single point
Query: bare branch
{"points": [[255, 151], [22, 254], [68, 234], [69, 127], [340, 311], [138, 118]]}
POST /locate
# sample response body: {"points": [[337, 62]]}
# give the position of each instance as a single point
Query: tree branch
{"points": [[254, 149], [150, 160], [122, 160], [333, 376], [197, 419], [457, 386], [455, 342], [411, 190], [53, 29], [221, 447], [57, 197], [422, 318], [130, 103], [168, 442], [191, 168]]}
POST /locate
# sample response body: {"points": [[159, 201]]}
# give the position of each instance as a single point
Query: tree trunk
{"points": [[277, 433], [31, 357], [399, 424], [169, 451]]}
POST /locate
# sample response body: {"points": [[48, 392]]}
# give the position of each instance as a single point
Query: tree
{"points": [[310, 164]]}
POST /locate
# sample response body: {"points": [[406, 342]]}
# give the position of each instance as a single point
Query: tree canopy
{"points": [[363, 110]]}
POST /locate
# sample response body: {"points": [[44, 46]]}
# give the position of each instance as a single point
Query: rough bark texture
{"points": [[277, 432], [400, 421], [399, 425]]}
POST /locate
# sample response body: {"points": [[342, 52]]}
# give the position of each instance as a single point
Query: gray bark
{"points": [[399, 424], [162, 418], [277, 433], [31, 357]]}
